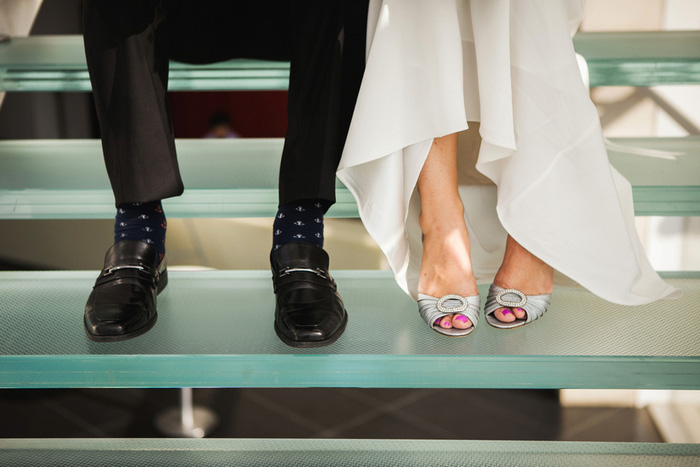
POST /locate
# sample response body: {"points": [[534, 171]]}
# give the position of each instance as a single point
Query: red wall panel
{"points": [[254, 114]]}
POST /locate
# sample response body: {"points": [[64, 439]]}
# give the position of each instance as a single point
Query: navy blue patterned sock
{"points": [[142, 221], [299, 222]]}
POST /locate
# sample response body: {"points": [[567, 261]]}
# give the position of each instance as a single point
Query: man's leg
{"points": [[126, 50], [327, 61], [202, 32], [324, 40], [126, 45]]}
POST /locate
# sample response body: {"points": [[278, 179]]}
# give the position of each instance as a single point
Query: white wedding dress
{"points": [[434, 65]]}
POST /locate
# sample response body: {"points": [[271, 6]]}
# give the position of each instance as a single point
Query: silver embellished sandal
{"points": [[498, 297], [432, 309]]}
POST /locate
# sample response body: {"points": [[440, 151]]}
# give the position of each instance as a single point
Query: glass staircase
{"points": [[341, 453], [239, 179], [57, 63], [584, 342]]}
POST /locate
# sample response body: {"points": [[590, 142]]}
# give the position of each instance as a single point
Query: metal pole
{"points": [[187, 420]]}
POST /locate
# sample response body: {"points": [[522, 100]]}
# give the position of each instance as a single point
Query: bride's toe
{"points": [[460, 321], [505, 315], [446, 322]]}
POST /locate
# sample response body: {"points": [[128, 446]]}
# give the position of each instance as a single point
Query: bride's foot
{"points": [[523, 271], [446, 266]]}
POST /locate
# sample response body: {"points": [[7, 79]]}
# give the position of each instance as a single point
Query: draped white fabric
{"points": [[433, 66]]}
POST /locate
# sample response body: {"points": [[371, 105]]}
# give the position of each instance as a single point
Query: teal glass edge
{"points": [[341, 452], [601, 74], [57, 63], [99, 204], [70, 83], [666, 200], [366, 371], [679, 274], [265, 274], [203, 203], [643, 73], [138, 445]]}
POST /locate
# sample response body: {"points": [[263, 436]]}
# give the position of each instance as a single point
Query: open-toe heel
{"points": [[498, 297], [432, 309]]}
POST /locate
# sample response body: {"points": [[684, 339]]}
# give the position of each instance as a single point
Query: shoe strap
{"points": [[131, 271], [318, 271], [535, 305], [299, 274]]}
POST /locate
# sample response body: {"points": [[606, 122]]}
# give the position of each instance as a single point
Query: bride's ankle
{"points": [[524, 271], [442, 221], [529, 279]]}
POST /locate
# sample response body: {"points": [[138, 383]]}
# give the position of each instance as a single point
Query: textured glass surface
{"points": [[215, 329], [57, 63], [341, 453], [238, 178]]}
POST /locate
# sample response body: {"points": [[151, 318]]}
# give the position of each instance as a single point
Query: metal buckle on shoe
{"points": [[317, 271], [109, 271], [453, 309], [506, 303]]}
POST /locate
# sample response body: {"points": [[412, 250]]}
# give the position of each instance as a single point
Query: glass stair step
{"points": [[215, 330], [643, 58], [224, 178], [238, 178], [57, 63], [340, 453]]}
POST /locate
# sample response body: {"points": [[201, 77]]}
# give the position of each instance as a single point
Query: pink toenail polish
{"points": [[447, 324], [519, 309], [437, 321], [461, 318], [506, 312]]}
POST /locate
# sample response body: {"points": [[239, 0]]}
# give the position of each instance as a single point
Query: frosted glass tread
{"points": [[215, 329], [341, 453], [57, 63], [224, 178], [641, 58], [238, 178]]}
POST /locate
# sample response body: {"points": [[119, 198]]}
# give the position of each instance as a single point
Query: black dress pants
{"points": [[129, 43]]}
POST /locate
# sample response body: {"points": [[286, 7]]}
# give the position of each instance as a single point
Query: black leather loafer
{"points": [[122, 304], [309, 311]]}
